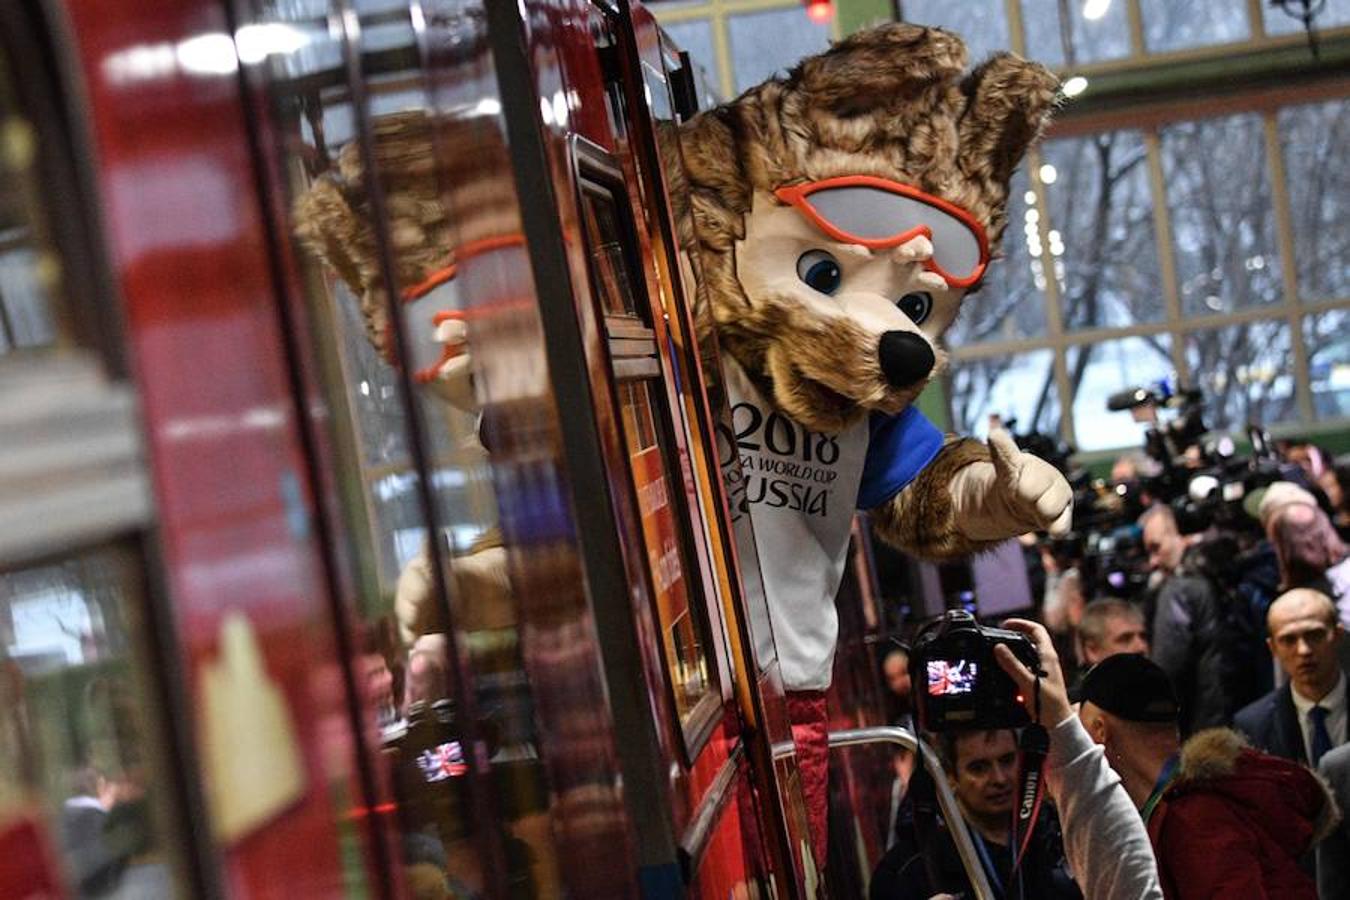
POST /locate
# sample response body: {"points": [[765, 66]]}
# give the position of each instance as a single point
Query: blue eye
{"points": [[819, 271], [917, 306]]}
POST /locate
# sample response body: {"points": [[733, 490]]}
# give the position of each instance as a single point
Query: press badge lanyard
{"points": [[1165, 779], [987, 861]]}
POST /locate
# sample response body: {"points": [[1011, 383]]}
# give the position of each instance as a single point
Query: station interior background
{"points": [[1186, 219]]}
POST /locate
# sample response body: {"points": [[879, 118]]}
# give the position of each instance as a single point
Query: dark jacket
{"points": [[902, 874], [1186, 646], [1235, 821], [1271, 724], [1333, 854]]}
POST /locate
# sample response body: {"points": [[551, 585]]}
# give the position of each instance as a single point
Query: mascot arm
{"points": [[971, 497]]}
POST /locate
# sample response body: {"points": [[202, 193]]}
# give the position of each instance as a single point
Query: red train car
{"points": [[362, 530]]}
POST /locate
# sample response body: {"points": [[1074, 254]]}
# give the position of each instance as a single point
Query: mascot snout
{"points": [[906, 358]]}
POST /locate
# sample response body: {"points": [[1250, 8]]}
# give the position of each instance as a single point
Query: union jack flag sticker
{"points": [[443, 761]]}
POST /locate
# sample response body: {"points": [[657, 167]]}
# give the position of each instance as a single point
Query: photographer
{"points": [[1104, 839], [981, 767]]}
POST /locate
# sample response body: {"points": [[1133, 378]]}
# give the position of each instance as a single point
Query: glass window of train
{"points": [[30, 269], [684, 630], [605, 235], [612, 243], [402, 661], [78, 742]]}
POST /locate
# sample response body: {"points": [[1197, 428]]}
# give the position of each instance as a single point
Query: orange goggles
{"points": [[878, 213]]}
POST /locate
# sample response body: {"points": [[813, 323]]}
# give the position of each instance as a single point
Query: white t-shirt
{"points": [[801, 489]]}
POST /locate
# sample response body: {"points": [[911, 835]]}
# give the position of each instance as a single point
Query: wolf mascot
{"points": [[840, 216]]}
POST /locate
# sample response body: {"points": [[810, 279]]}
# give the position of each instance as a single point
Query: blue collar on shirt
{"points": [[900, 447]]}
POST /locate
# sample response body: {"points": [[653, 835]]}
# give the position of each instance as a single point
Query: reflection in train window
{"points": [[686, 654], [661, 490], [414, 481], [602, 231], [29, 269], [73, 723]]}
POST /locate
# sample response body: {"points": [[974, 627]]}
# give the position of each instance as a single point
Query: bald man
{"points": [[1307, 717]]}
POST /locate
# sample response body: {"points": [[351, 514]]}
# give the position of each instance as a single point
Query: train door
{"points": [[864, 750], [172, 720], [598, 94], [667, 89], [91, 791]]}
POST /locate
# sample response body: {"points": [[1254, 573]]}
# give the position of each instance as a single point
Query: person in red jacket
{"points": [[1226, 821]]}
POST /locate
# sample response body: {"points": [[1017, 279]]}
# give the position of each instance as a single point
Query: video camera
{"points": [[962, 685], [1167, 441], [1204, 481]]}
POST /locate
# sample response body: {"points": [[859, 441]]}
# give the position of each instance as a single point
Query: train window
{"points": [[602, 230], [30, 271], [685, 649], [73, 723], [366, 170], [657, 477], [753, 601]]}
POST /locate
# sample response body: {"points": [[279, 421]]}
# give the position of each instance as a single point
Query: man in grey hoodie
{"points": [[1104, 839]]}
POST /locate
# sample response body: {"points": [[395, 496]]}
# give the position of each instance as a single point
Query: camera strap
{"points": [[1033, 747]]}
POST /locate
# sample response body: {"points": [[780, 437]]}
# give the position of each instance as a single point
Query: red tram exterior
{"points": [[384, 643]]}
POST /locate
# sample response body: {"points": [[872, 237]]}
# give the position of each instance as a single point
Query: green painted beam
{"points": [[855, 14], [933, 404], [1207, 78]]}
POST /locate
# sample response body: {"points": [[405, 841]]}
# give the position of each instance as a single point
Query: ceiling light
{"points": [[1074, 86], [1095, 9]]}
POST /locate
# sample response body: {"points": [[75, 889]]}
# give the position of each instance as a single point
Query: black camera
{"points": [[959, 683]]}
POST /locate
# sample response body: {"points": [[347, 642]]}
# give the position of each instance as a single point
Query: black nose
{"points": [[905, 357]]}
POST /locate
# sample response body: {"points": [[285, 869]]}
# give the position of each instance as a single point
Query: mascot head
{"points": [[843, 212]]}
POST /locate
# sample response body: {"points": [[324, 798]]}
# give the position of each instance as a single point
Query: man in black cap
{"points": [[1224, 819]]}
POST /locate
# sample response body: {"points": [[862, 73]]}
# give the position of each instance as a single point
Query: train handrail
{"points": [[956, 823]]}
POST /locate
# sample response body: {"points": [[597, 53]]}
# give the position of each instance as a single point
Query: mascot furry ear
{"points": [[839, 217]]}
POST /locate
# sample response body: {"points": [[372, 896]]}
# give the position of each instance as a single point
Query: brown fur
{"points": [[334, 216], [889, 101], [1213, 753], [921, 518]]}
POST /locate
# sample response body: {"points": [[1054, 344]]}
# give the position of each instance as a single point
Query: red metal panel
{"points": [[189, 253]]}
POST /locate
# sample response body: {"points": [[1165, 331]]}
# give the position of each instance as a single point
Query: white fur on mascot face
{"points": [[845, 295]]}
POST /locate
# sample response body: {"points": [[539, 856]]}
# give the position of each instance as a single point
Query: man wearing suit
{"points": [[1307, 717]]}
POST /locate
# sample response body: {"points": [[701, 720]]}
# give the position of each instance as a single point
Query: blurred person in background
{"points": [[1306, 717], [1335, 483], [1189, 638], [1225, 820], [1163, 541], [1309, 457], [899, 712], [1310, 553], [895, 673], [1110, 626]]}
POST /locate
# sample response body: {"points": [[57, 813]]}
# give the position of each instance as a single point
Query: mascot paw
{"points": [[1013, 494], [1035, 493], [453, 377]]}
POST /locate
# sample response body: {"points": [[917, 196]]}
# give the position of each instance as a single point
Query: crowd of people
{"points": [[1214, 688]]}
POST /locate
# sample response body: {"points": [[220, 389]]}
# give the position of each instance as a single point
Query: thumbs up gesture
{"points": [[1011, 494]]}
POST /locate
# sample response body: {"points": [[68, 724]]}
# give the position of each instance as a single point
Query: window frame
{"points": [[636, 356]]}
